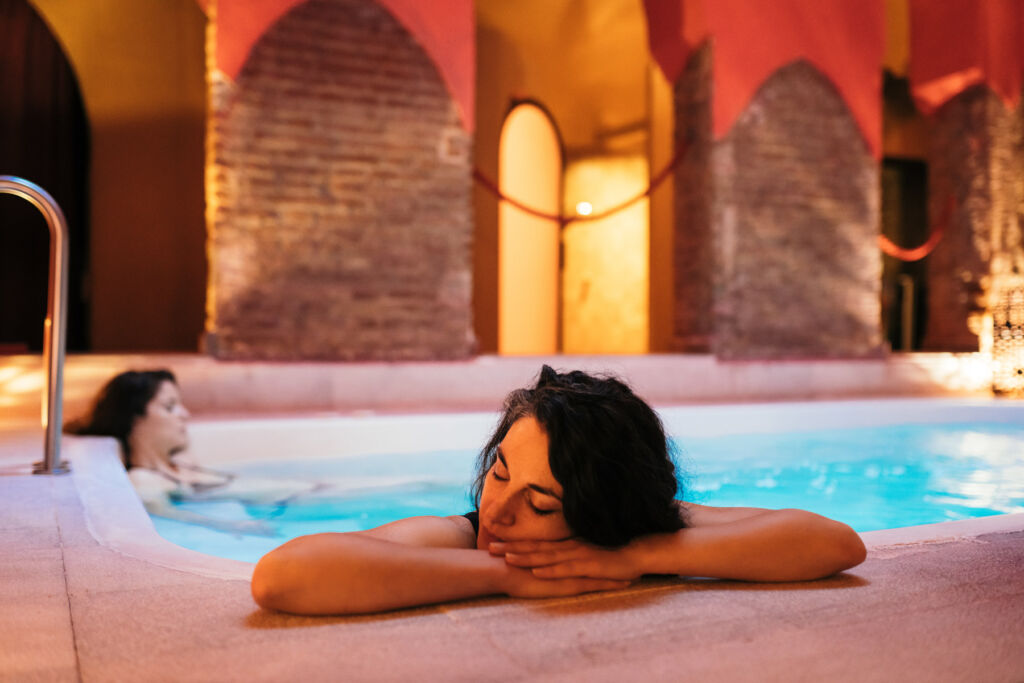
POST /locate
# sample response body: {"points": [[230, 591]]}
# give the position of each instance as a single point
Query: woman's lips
{"points": [[487, 537]]}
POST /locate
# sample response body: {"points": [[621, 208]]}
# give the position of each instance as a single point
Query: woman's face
{"points": [[521, 499], [162, 428]]}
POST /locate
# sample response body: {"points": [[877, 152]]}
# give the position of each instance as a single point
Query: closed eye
{"points": [[500, 472], [499, 464]]}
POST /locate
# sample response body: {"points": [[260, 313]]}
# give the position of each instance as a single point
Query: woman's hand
{"points": [[572, 558], [518, 582]]}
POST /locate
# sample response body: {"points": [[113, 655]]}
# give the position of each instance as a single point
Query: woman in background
{"points": [[143, 410]]}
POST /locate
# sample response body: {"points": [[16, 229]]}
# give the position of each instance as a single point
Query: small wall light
{"points": [[584, 208]]}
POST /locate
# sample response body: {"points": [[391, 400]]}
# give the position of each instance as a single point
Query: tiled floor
{"points": [[74, 610], [71, 609]]}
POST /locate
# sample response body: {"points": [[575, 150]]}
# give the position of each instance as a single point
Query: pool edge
{"points": [[117, 519]]}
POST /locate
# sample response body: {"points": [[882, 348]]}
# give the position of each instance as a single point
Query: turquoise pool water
{"points": [[870, 478]]}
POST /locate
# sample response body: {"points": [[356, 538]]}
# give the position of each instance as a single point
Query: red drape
{"points": [[955, 44], [844, 39], [443, 28]]}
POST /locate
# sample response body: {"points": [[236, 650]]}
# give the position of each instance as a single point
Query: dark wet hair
{"points": [[608, 450], [120, 402]]}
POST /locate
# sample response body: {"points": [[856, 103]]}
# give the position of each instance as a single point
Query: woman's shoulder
{"points": [[708, 515], [455, 531], [148, 483]]}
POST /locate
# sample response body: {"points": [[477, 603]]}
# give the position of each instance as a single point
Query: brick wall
{"points": [[338, 196], [976, 157], [693, 325], [778, 253]]}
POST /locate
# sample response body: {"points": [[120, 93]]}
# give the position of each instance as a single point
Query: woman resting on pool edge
{"points": [[576, 492]]}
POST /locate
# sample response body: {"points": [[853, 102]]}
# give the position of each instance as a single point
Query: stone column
{"points": [[976, 161], [777, 223]]}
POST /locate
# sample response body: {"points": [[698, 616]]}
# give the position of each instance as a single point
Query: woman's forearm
{"points": [[354, 574], [777, 545], [163, 508]]}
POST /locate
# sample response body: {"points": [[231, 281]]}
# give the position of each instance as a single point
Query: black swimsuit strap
{"points": [[474, 519]]}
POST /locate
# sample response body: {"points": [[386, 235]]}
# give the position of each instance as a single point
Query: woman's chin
{"points": [[484, 539]]}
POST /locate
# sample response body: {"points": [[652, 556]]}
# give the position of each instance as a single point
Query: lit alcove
{"points": [[606, 269], [530, 166]]}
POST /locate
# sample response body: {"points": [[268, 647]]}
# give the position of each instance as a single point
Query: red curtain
{"points": [[444, 29], [844, 39], [955, 44]]}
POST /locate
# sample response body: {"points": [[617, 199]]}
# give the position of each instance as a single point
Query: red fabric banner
{"points": [[956, 44], [843, 39], [445, 30]]}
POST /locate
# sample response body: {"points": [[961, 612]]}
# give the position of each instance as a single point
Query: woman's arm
{"points": [[750, 544], [770, 545], [162, 507], [156, 492], [417, 561]]}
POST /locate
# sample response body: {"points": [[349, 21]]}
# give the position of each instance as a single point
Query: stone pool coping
{"points": [[116, 518], [74, 610], [937, 607]]}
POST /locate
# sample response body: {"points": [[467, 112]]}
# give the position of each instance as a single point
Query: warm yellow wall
{"points": [[528, 245], [905, 131], [662, 234], [587, 62], [584, 60], [605, 298], [897, 36], [140, 67]]}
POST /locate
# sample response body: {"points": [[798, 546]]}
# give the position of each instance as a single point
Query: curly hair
{"points": [[608, 450], [119, 404]]}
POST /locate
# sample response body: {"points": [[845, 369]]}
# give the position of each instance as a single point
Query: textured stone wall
{"points": [[338, 196], [695, 263], [797, 218], [976, 159], [777, 250]]}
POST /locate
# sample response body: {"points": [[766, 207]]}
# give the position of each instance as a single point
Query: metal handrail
{"points": [[56, 316]]}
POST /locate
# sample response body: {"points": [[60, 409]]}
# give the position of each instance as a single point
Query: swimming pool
{"points": [[873, 464]]}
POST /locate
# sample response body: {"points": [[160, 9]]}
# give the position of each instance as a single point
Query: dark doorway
{"points": [[905, 223], [44, 138]]}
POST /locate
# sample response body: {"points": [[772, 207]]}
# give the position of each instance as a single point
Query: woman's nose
{"points": [[184, 412], [501, 512]]}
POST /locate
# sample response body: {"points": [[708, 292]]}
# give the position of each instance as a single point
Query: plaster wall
{"points": [[140, 67]]}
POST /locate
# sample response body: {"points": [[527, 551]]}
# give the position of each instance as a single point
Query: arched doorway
{"points": [[529, 171], [43, 138], [606, 272]]}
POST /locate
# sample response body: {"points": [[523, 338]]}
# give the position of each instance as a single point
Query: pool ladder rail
{"points": [[54, 328]]}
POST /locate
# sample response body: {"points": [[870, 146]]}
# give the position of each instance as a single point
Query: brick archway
{"points": [[338, 196], [778, 223]]}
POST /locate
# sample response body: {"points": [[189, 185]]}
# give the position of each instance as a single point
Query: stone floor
{"points": [[71, 609], [74, 610]]}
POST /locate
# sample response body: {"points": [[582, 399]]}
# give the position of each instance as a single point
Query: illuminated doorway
{"points": [[607, 263], [529, 171]]}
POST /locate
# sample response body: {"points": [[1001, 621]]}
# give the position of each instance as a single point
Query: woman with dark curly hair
{"points": [[575, 492], [144, 411]]}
